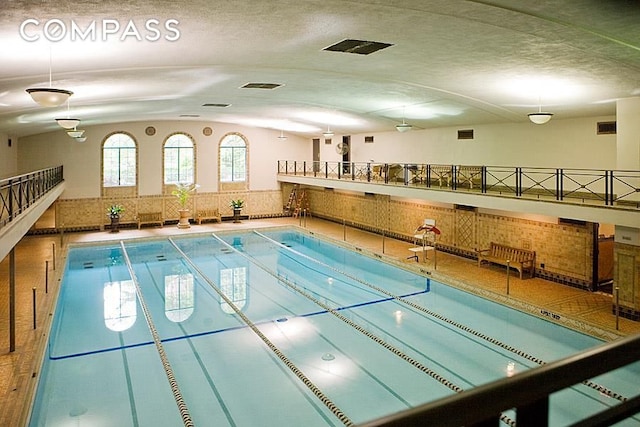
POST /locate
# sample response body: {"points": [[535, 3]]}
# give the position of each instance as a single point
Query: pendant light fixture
{"points": [[328, 134], [49, 97], [282, 137], [68, 123], [403, 127], [75, 133], [540, 117]]}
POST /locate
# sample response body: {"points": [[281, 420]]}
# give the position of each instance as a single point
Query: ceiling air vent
{"points": [[465, 134], [606, 128], [361, 47], [261, 86], [189, 115], [368, 139], [212, 104]]}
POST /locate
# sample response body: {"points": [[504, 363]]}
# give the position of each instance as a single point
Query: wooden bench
{"points": [[150, 218], [520, 259], [208, 214]]}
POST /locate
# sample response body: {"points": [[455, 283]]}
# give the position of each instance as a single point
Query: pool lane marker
{"points": [[307, 382], [600, 388], [397, 352], [175, 389]]}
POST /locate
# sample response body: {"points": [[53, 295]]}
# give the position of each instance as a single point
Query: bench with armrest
{"points": [[150, 218], [208, 214], [520, 259]]}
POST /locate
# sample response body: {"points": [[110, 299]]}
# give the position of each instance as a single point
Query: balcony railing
{"points": [[614, 188], [20, 192]]}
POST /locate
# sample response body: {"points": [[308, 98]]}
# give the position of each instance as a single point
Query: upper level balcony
{"points": [[604, 196]]}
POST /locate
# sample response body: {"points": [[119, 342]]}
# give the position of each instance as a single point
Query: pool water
{"points": [[280, 328]]}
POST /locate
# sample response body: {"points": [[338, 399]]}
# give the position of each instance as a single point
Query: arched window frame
{"points": [[233, 162], [184, 157], [124, 172]]}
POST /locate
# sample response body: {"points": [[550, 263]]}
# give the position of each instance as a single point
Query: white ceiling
{"points": [[452, 63]]}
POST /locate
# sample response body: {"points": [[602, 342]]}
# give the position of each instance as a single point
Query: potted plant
{"points": [[236, 205], [183, 192], [114, 212]]}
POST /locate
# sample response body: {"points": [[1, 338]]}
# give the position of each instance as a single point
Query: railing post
{"points": [[518, 181], [353, 171], [561, 182], [483, 179], [304, 168], [326, 169], [454, 177], [295, 167], [428, 176]]}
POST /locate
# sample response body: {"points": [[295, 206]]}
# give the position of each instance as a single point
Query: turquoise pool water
{"points": [[279, 328]]}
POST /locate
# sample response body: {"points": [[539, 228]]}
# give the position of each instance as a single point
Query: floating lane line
{"points": [[175, 389], [600, 388], [415, 363], [307, 382]]}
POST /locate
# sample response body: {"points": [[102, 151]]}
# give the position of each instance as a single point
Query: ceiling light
{"points": [[49, 97], [540, 117], [68, 123], [81, 139], [328, 133], [282, 137], [403, 127], [75, 133]]}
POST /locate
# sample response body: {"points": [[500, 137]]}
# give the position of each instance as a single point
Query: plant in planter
{"points": [[237, 206], [183, 192], [114, 212]]}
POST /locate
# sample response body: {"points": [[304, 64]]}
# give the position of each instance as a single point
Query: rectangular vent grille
{"points": [[189, 115], [465, 208], [360, 47], [465, 134], [607, 128], [327, 141], [261, 86], [368, 139], [215, 105]]}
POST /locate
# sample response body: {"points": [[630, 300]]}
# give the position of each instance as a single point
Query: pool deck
{"points": [[586, 311]]}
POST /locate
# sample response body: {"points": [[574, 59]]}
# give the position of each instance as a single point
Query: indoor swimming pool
{"points": [[279, 327]]}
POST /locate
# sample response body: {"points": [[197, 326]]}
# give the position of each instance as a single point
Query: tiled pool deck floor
{"points": [[586, 311]]}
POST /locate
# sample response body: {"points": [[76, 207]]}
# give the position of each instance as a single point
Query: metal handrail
{"points": [[527, 392], [20, 192], [603, 187]]}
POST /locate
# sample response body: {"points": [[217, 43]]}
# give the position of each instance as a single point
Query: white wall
{"points": [[81, 161], [8, 156], [570, 143]]}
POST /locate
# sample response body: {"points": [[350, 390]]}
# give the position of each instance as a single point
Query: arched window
{"points": [[119, 161], [233, 159], [179, 159]]}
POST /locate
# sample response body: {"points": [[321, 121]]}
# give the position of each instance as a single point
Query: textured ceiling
{"points": [[451, 63]]}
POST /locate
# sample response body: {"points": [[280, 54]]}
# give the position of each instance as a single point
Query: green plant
{"points": [[115, 210], [237, 204], [182, 192]]}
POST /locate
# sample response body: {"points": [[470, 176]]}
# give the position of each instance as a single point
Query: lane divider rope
{"points": [[175, 389], [600, 388], [307, 382]]}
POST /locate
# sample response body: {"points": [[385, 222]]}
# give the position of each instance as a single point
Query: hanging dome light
{"points": [[49, 96], [282, 137], [328, 133], [540, 117], [68, 123], [75, 133], [403, 127]]}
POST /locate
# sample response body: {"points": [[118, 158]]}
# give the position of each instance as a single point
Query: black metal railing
{"points": [[528, 393], [618, 188], [19, 192]]}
